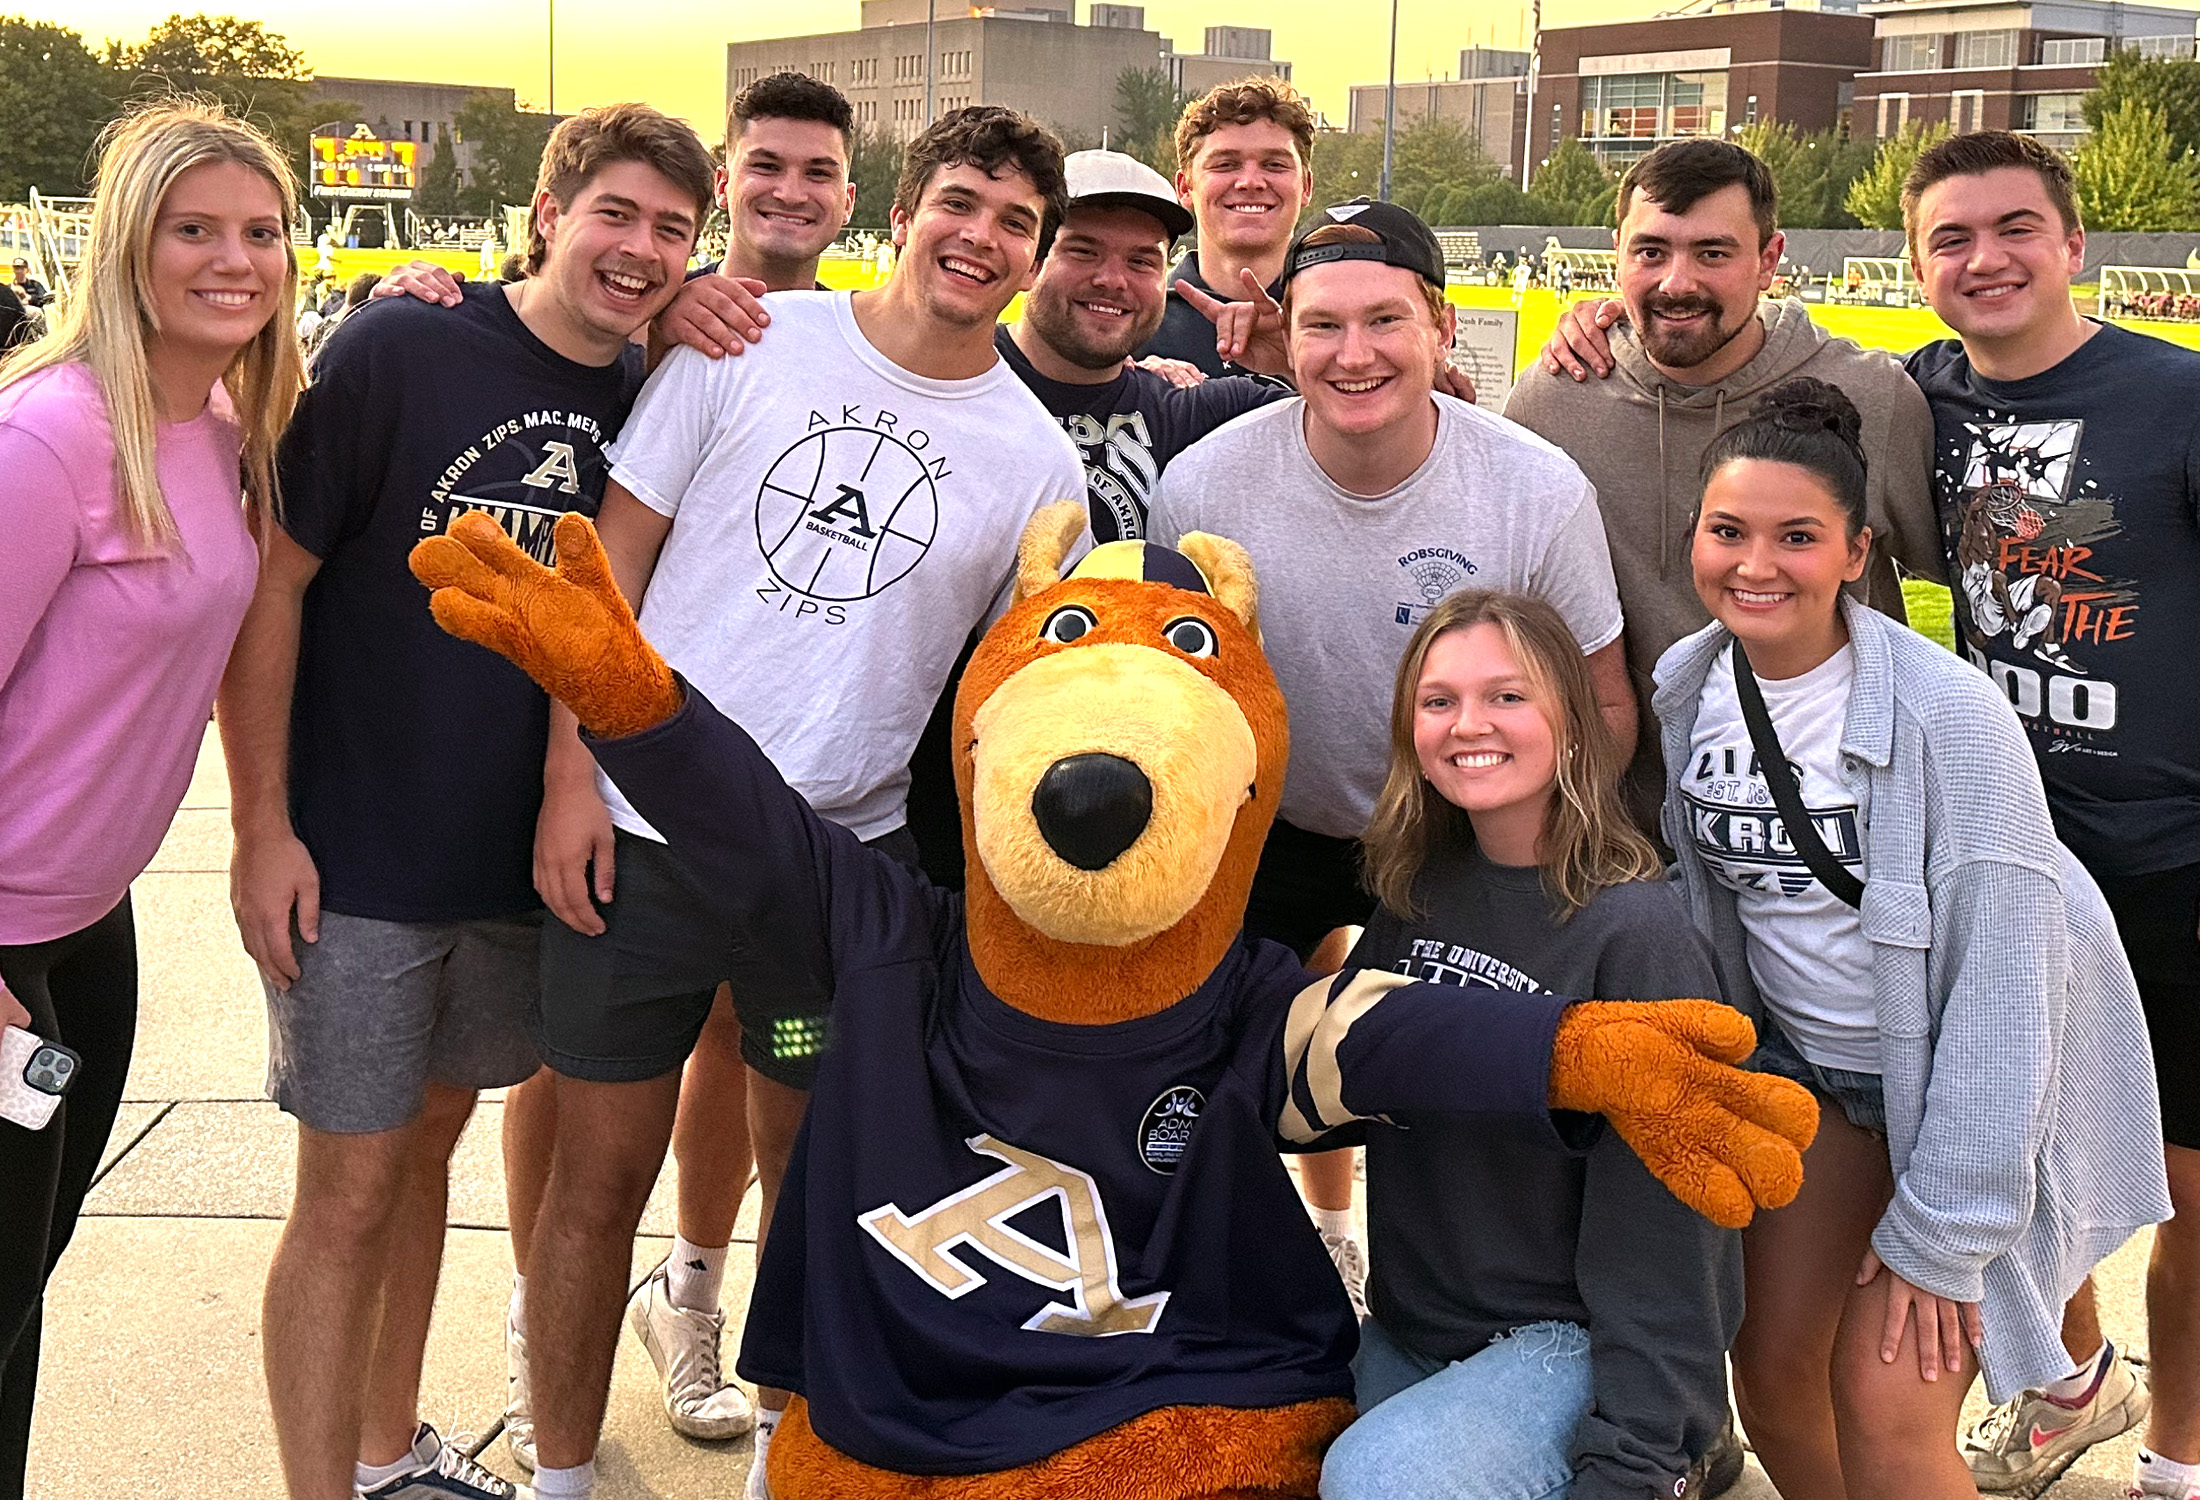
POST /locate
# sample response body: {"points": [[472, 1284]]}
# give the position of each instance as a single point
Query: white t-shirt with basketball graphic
{"points": [[838, 527]]}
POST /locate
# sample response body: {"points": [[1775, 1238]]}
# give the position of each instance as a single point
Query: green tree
{"points": [[1147, 105], [54, 96], [1811, 173], [1875, 197], [506, 145], [1575, 184], [874, 165], [255, 73], [1346, 164], [1432, 153], [2132, 177], [438, 188], [2170, 84]]}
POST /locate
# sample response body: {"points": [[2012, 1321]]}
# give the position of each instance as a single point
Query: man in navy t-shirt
{"points": [[2069, 492], [386, 780]]}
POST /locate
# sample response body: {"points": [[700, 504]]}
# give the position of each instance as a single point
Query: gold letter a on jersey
{"points": [[977, 1218]]}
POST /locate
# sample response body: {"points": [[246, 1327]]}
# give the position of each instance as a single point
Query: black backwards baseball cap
{"points": [[1402, 240]]}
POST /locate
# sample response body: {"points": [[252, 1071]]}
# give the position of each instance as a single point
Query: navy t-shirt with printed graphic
{"points": [[1127, 429], [416, 757], [2071, 504]]}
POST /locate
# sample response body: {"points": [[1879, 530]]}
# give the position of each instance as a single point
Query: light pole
{"points": [[931, 9], [1390, 104], [1535, 72]]}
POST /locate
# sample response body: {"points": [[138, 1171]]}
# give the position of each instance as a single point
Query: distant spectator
{"points": [[28, 287], [512, 268]]}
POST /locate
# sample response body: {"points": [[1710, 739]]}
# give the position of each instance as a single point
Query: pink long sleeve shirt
{"points": [[109, 654]]}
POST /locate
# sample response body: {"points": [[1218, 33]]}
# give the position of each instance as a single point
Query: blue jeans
{"points": [[1498, 1425]]}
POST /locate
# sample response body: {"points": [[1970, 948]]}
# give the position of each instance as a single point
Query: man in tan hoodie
{"points": [[1697, 249]]}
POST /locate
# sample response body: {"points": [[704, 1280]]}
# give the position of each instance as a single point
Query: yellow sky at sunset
{"points": [[672, 52]]}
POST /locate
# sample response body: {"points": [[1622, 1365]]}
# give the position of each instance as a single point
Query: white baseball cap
{"points": [[1109, 179]]}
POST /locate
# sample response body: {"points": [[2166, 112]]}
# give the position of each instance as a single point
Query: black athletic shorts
{"points": [[2158, 917], [628, 1005], [1307, 885]]}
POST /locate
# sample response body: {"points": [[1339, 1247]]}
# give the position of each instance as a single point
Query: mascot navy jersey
{"points": [[944, 1214]]}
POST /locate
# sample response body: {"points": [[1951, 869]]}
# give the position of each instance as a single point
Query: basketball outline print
{"points": [[820, 522]]}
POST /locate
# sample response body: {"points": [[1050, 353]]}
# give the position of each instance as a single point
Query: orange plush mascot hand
{"points": [[1722, 1139], [569, 630]]}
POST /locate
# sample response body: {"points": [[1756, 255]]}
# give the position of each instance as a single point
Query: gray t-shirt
{"points": [[1345, 578]]}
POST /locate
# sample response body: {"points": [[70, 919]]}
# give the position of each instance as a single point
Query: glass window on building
{"points": [[1654, 106], [1910, 54], [2053, 114], [1986, 49], [2071, 51], [2161, 46]]}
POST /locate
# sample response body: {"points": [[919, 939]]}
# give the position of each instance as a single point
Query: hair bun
{"points": [[1802, 404]]}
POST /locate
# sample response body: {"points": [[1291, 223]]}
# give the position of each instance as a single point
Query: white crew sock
{"points": [[367, 1476], [2073, 1385], [767, 1423], [515, 1312], [2156, 1475], [1331, 1220], [693, 1275], [576, 1483]]}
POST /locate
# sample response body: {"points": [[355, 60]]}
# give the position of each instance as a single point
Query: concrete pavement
{"points": [[151, 1383]]}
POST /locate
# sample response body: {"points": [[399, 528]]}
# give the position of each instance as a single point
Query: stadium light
{"points": [[1390, 104]]}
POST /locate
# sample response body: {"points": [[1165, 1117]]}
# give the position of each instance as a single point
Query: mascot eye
{"points": [[1190, 635], [1067, 624]]}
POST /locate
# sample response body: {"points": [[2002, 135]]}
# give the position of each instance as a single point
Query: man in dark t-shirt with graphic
{"points": [[2069, 491], [386, 780]]}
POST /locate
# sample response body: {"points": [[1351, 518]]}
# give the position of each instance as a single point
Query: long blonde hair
{"points": [[108, 318], [1587, 842]]}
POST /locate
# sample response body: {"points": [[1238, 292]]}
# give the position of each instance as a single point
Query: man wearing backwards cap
{"points": [[1363, 503]]}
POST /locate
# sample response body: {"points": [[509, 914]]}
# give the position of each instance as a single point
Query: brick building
{"points": [[2003, 64], [1625, 87], [1026, 54]]}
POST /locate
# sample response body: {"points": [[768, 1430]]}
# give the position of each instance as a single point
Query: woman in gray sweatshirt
{"points": [[1929, 960]]}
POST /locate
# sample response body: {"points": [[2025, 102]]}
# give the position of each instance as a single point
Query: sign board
{"points": [[1483, 346], [359, 167]]}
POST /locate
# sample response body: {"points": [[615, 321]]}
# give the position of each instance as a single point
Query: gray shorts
{"points": [[380, 1008]]}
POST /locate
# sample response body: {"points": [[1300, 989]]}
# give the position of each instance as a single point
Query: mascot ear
{"points": [[1229, 572], [1048, 536]]}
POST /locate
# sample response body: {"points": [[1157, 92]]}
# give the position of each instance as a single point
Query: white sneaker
{"points": [[1351, 1263], [519, 1398], [444, 1472], [683, 1345], [759, 1488]]}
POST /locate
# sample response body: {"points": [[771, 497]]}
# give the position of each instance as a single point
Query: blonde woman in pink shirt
{"points": [[137, 445]]}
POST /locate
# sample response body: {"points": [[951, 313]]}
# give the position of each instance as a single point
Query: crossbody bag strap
{"points": [[1786, 795]]}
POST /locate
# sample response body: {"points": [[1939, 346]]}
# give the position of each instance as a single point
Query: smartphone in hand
{"points": [[34, 1074]]}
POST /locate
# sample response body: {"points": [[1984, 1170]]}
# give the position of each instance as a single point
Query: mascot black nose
{"points": [[1090, 808]]}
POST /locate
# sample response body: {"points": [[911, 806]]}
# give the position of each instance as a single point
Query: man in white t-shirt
{"points": [[812, 530], [1363, 504]]}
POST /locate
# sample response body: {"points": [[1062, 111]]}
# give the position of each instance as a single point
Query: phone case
{"points": [[20, 1102]]}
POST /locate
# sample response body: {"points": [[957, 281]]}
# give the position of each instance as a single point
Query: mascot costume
{"points": [[1035, 1239]]}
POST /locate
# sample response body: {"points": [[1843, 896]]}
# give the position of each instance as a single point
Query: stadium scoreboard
{"points": [[361, 168]]}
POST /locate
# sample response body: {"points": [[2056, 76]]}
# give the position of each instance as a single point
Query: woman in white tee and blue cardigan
{"points": [[1928, 959]]}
